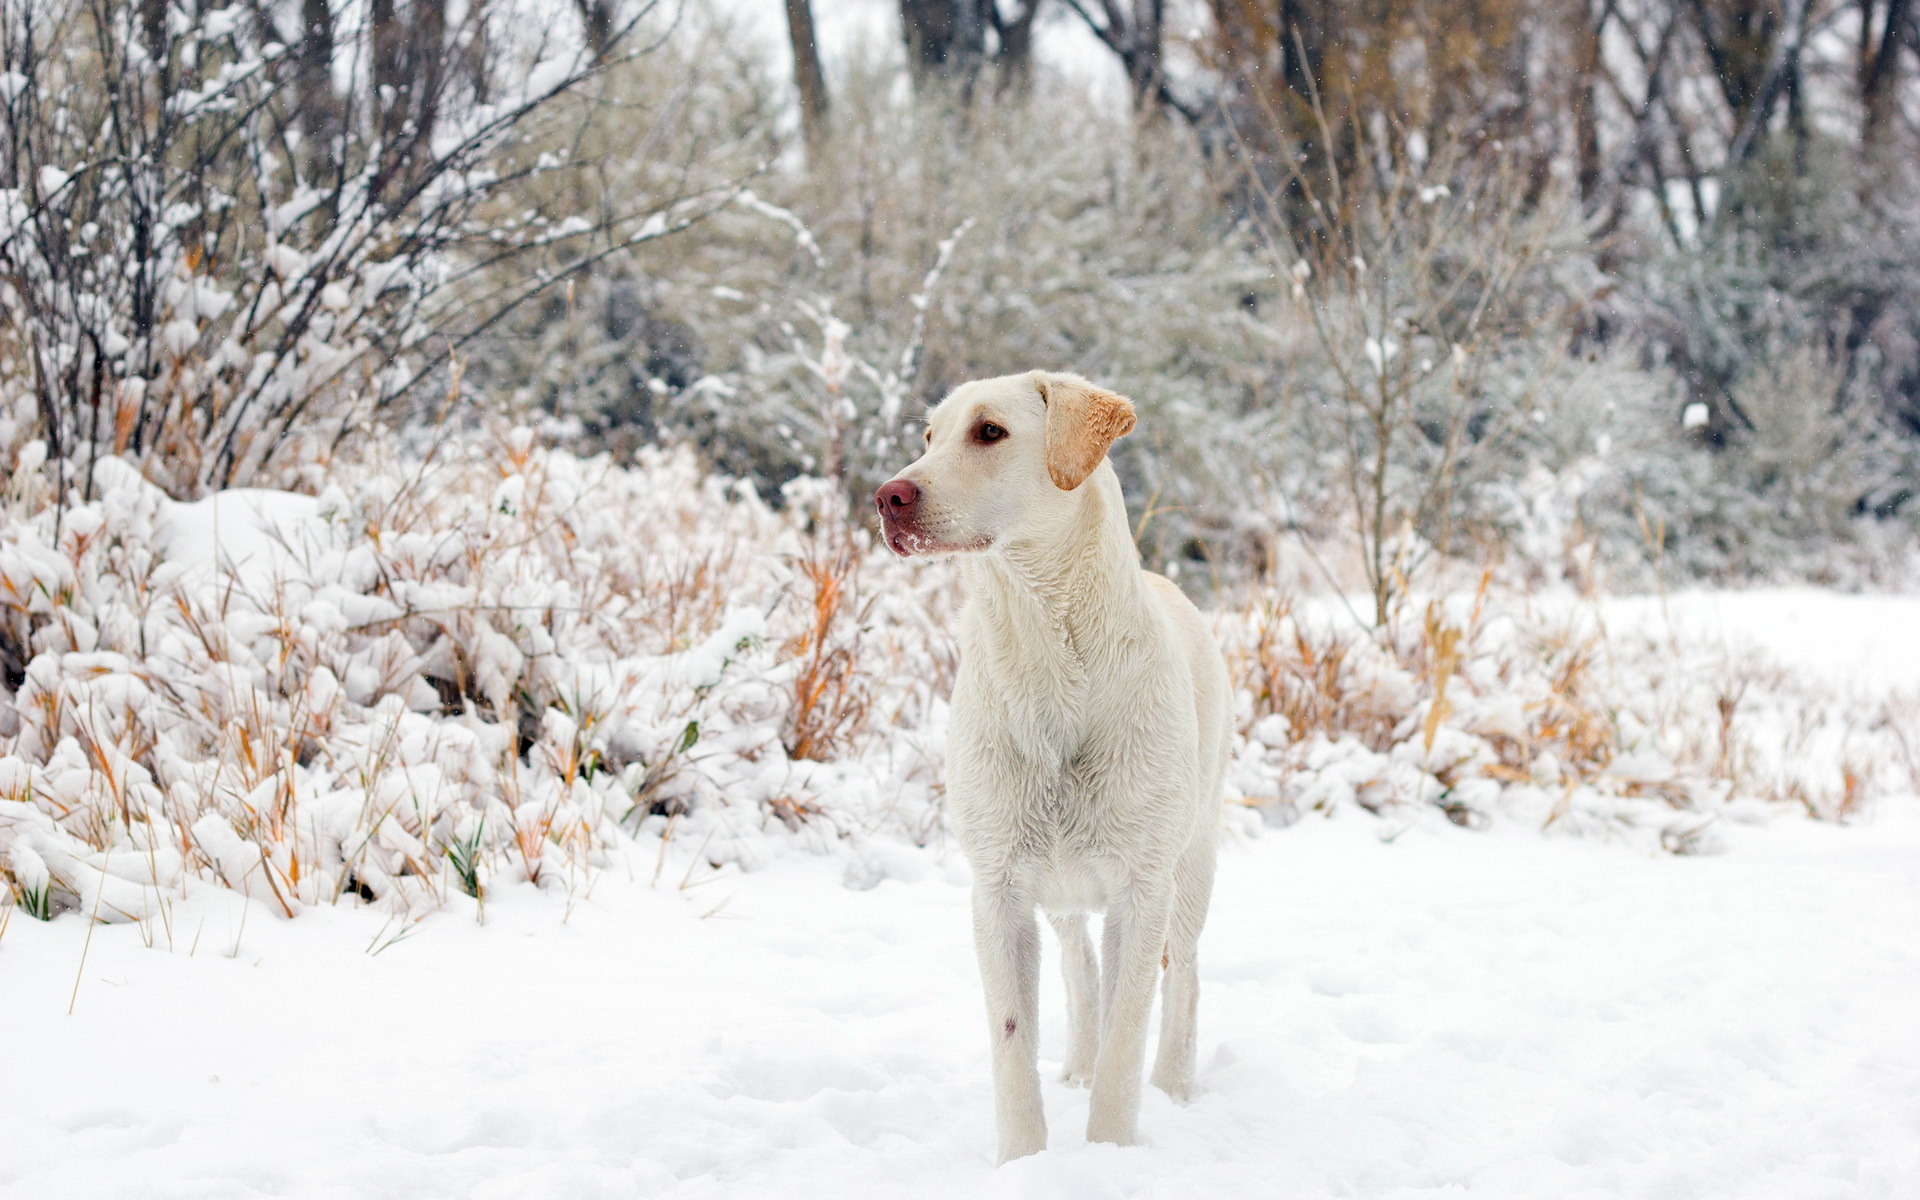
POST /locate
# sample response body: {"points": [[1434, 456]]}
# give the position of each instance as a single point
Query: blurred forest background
{"points": [[1619, 290]]}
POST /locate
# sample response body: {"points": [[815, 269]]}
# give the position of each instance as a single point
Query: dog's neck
{"points": [[1079, 582]]}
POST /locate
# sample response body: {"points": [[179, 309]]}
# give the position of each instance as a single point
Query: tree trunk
{"points": [[1015, 56], [597, 16], [428, 51], [807, 75], [1879, 68], [1586, 124], [945, 38], [319, 108]]}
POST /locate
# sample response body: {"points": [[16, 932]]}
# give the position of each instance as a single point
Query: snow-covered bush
{"points": [[604, 349], [230, 237], [1792, 320], [230, 246], [435, 674], [1811, 487], [283, 247], [1493, 705], [803, 328], [1417, 343]]}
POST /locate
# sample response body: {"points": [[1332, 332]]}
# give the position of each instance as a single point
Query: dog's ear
{"points": [[1082, 421]]}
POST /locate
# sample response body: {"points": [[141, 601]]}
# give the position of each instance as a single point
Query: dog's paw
{"points": [[1119, 1130]]}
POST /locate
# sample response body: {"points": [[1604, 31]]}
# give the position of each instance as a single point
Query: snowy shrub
{"points": [[1793, 322], [1421, 345], [1810, 250], [1521, 378], [1811, 487], [1494, 705], [230, 237], [437, 675], [236, 248], [604, 350]]}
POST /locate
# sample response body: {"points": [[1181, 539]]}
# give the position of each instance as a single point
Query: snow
{"points": [[255, 535], [1868, 640], [1448, 1014], [435, 678]]}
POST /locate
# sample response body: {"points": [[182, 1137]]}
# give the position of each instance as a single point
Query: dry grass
{"points": [[832, 699]]}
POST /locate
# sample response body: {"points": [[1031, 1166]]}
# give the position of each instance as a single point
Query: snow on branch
{"points": [[226, 256]]}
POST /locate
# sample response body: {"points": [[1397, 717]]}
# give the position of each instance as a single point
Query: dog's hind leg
{"points": [[1082, 972], [1006, 935], [1180, 992], [1132, 939]]}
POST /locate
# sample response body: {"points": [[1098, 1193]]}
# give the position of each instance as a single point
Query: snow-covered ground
{"points": [[1448, 1014]]}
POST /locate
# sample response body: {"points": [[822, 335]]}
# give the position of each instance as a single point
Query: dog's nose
{"points": [[896, 496]]}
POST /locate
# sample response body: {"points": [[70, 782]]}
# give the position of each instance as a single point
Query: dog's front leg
{"points": [[1006, 935], [1133, 936]]}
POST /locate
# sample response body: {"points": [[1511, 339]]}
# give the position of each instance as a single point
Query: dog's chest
{"points": [[1033, 681], [1037, 767], [1062, 836], [1040, 711], [1060, 755]]}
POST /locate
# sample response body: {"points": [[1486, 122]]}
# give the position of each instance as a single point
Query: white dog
{"points": [[1090, 737]]}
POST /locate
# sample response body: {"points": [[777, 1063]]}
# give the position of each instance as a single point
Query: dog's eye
{"points": [[929, 437], [991, 432]]}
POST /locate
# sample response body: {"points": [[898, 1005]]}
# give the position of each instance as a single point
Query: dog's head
{"points": [[1004, 459]]}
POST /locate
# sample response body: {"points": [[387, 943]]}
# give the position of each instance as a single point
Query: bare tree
{"points": [[1346, 87], [1136, 34], [1432, 326]]}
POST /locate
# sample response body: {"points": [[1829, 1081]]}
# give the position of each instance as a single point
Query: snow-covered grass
{"points": [[507, 664]]}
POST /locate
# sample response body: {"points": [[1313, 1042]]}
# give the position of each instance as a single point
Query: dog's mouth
{"points": [[910, 541]]}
